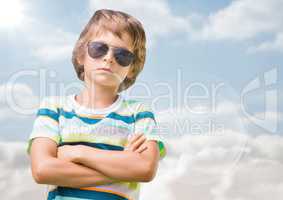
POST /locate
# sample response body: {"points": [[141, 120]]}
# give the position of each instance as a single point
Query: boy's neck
{"points": [[97, 96]]}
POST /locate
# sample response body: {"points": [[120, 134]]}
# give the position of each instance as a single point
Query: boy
{"points": [[97, 144]]}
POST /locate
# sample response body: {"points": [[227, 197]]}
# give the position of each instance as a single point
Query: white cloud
{"points": [[246, 20], [201, 170], [12, 14], [43, 40], [241, 20], [275, 45], [16, 174], [199, 120], [47, 42], [210, 170], [52, 44], [216, 165], [16, 101], [156, 16], [268, 120]]}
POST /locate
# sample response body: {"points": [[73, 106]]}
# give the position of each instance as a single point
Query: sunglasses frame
{"points": [[114, 49]]}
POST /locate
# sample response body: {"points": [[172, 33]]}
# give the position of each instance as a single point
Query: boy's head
{"points": [[121, 30]]}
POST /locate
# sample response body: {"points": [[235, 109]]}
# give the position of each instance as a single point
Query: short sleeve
{"points": [[46, 123], [145, 123]]}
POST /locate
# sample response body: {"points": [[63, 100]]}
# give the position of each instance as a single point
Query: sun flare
{"points": [[11, 13]]}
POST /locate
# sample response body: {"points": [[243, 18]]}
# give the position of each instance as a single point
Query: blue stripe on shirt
{"points": [[127, 119]]}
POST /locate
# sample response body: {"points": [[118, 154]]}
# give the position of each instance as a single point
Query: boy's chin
{"points": [[105, 83]]}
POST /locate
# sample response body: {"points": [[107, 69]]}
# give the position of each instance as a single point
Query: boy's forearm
{"points": [[121, 165], [63, 173]]}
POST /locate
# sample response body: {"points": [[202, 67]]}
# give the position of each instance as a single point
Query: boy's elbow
{"points": [[148, 177], [149, 173], [40, 173]]}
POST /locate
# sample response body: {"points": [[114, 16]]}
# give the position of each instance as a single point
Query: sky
{"points": [[213, 76]]}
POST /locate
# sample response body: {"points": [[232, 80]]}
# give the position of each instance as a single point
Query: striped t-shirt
{"points": [[64, 120]]}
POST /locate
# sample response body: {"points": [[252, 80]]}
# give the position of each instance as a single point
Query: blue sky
{"points": [[212, 64], [192, 38]]}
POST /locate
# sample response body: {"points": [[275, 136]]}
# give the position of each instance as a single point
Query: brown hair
{"points": [[118, 23]]}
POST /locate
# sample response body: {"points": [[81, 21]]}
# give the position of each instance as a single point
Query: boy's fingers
{"points": [[141, 149], [134, 137], [138, 143]]}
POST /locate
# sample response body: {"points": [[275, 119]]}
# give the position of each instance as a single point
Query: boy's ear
{"points": [[81, 59], [130, 74]]}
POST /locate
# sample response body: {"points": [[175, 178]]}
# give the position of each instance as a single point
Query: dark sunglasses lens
{"points": [[97, 49], [123, 57]]}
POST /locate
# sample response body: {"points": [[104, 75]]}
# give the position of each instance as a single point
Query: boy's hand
{"points": [[136, 143]]}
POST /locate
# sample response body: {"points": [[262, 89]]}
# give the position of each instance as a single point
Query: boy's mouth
{"points": [[105, 69]]}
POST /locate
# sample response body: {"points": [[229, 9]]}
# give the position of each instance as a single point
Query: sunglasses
{"points": [[122, 56]]}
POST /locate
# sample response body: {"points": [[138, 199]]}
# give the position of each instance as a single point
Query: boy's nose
{"points": [[108, 57]]}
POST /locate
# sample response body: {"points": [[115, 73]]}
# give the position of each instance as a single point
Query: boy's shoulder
{"points": [[53, 102]]}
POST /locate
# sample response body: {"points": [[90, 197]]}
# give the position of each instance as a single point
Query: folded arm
{"points": [[48, 169], [121, 165]]}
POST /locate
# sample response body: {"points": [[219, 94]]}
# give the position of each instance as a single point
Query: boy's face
{"points": [[94, 75]]}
